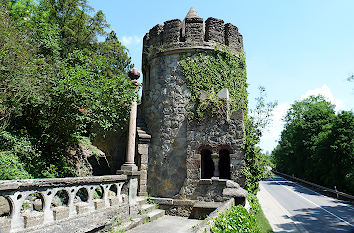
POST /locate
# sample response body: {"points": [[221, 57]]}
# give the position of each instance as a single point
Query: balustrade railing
{"points": [[26, 204]]}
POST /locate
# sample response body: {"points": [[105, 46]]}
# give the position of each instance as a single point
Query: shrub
{"points": [[11, 168], [235, 219]]}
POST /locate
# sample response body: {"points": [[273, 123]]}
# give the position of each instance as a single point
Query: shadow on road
{"points": [[314, 220], [281, 181]]}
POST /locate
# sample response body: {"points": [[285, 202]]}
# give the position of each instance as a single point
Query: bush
{"points": [[11, 168], [235, 219]]}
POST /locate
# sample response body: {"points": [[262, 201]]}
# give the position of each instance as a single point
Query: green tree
{"points": [[316, 144], [257, 162], [58, 82]]}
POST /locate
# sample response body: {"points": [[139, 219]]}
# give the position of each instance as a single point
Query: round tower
{"points": [[178, 147]]}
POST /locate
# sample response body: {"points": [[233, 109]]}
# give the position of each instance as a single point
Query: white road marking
{"points": [[332, 199], [315, 204], [275, 219]]}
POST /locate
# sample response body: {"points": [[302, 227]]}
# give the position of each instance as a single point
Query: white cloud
{"points": [[326, 92], [272, 133], [131, 40]]}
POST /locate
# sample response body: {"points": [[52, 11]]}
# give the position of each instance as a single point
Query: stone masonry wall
{"points": [[165, 111], [174, 166], [191, 33], [215, 134]]}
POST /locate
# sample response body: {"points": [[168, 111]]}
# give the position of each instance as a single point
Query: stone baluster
{"points": [[129, 165], [105, 194], [17, 200], [215, 158], [119, 190], [47, 199], [72, 193]]}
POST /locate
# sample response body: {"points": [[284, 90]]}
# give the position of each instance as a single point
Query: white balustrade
{"points": [[24, 195]]}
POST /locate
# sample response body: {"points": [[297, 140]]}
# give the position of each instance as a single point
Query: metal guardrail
{"points": [[325, 189]]}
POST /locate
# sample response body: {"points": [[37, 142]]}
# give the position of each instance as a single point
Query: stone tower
{"points": [[187, 159]]}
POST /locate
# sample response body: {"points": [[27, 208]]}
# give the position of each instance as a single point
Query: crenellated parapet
{"points": [[191, 33]]}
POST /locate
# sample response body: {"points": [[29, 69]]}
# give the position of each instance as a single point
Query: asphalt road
{"points": [[303, 210]]}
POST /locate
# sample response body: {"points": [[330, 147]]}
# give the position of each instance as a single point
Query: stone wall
{"points": [[216, 134], [174, 165], [165, 99], [191, 33]]}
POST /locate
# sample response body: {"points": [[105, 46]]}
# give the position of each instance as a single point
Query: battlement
{"points": [[191, 33]]}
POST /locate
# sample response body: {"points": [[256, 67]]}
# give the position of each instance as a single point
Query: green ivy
{"points": [[210, 72], [235, 219], [207, 73]]}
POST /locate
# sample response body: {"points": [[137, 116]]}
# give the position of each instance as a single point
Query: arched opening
{"points": [[207, 166], [98, 193], [81, 195], [224, 164], [6, 207], [61, 198]]}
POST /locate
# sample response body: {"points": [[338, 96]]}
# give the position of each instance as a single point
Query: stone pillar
{"points": [[129, 164], [215, 158]]}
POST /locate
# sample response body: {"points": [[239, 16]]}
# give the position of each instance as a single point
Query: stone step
{"points": [[146, 208], [141, 129], [145, 136], [155, 214], [141, 200], [130, 224]]}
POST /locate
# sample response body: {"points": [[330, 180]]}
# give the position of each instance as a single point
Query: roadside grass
{"points": [[257, 212], [262, 222]]}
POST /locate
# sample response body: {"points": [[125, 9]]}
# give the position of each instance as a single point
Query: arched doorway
{"points": [[224, 164], [207, 166]]}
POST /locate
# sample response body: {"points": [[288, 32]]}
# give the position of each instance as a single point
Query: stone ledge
{"points": [[162, 200], [9, 185], [128, 173], [204, 204]]}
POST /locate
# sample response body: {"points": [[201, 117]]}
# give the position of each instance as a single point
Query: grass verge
{"points": [[256, 211]]}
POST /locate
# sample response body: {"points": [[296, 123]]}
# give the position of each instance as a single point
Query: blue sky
{"points": [[294, 48]]}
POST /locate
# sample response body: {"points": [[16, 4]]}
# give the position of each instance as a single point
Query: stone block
{"points": [[33, 218], [214, 30], [193, 163], [162, 200], [205, 181], [99, 204], [60, 212], [183, 202], [232, 184], [133, 189], [143, 189], [5, 224], [82, 207], [143, 175], [143, 182], [235, 192], [4, 206], [37, 205], [144, 159], [143, 149], [113, 201], [193, 174], [223, 94]]}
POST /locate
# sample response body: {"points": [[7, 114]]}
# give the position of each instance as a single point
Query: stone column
{"points": [[129, 164], [215, 158]]}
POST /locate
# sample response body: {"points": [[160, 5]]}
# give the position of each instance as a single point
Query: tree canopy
{"points": [[58, 82], [317, 144]]}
